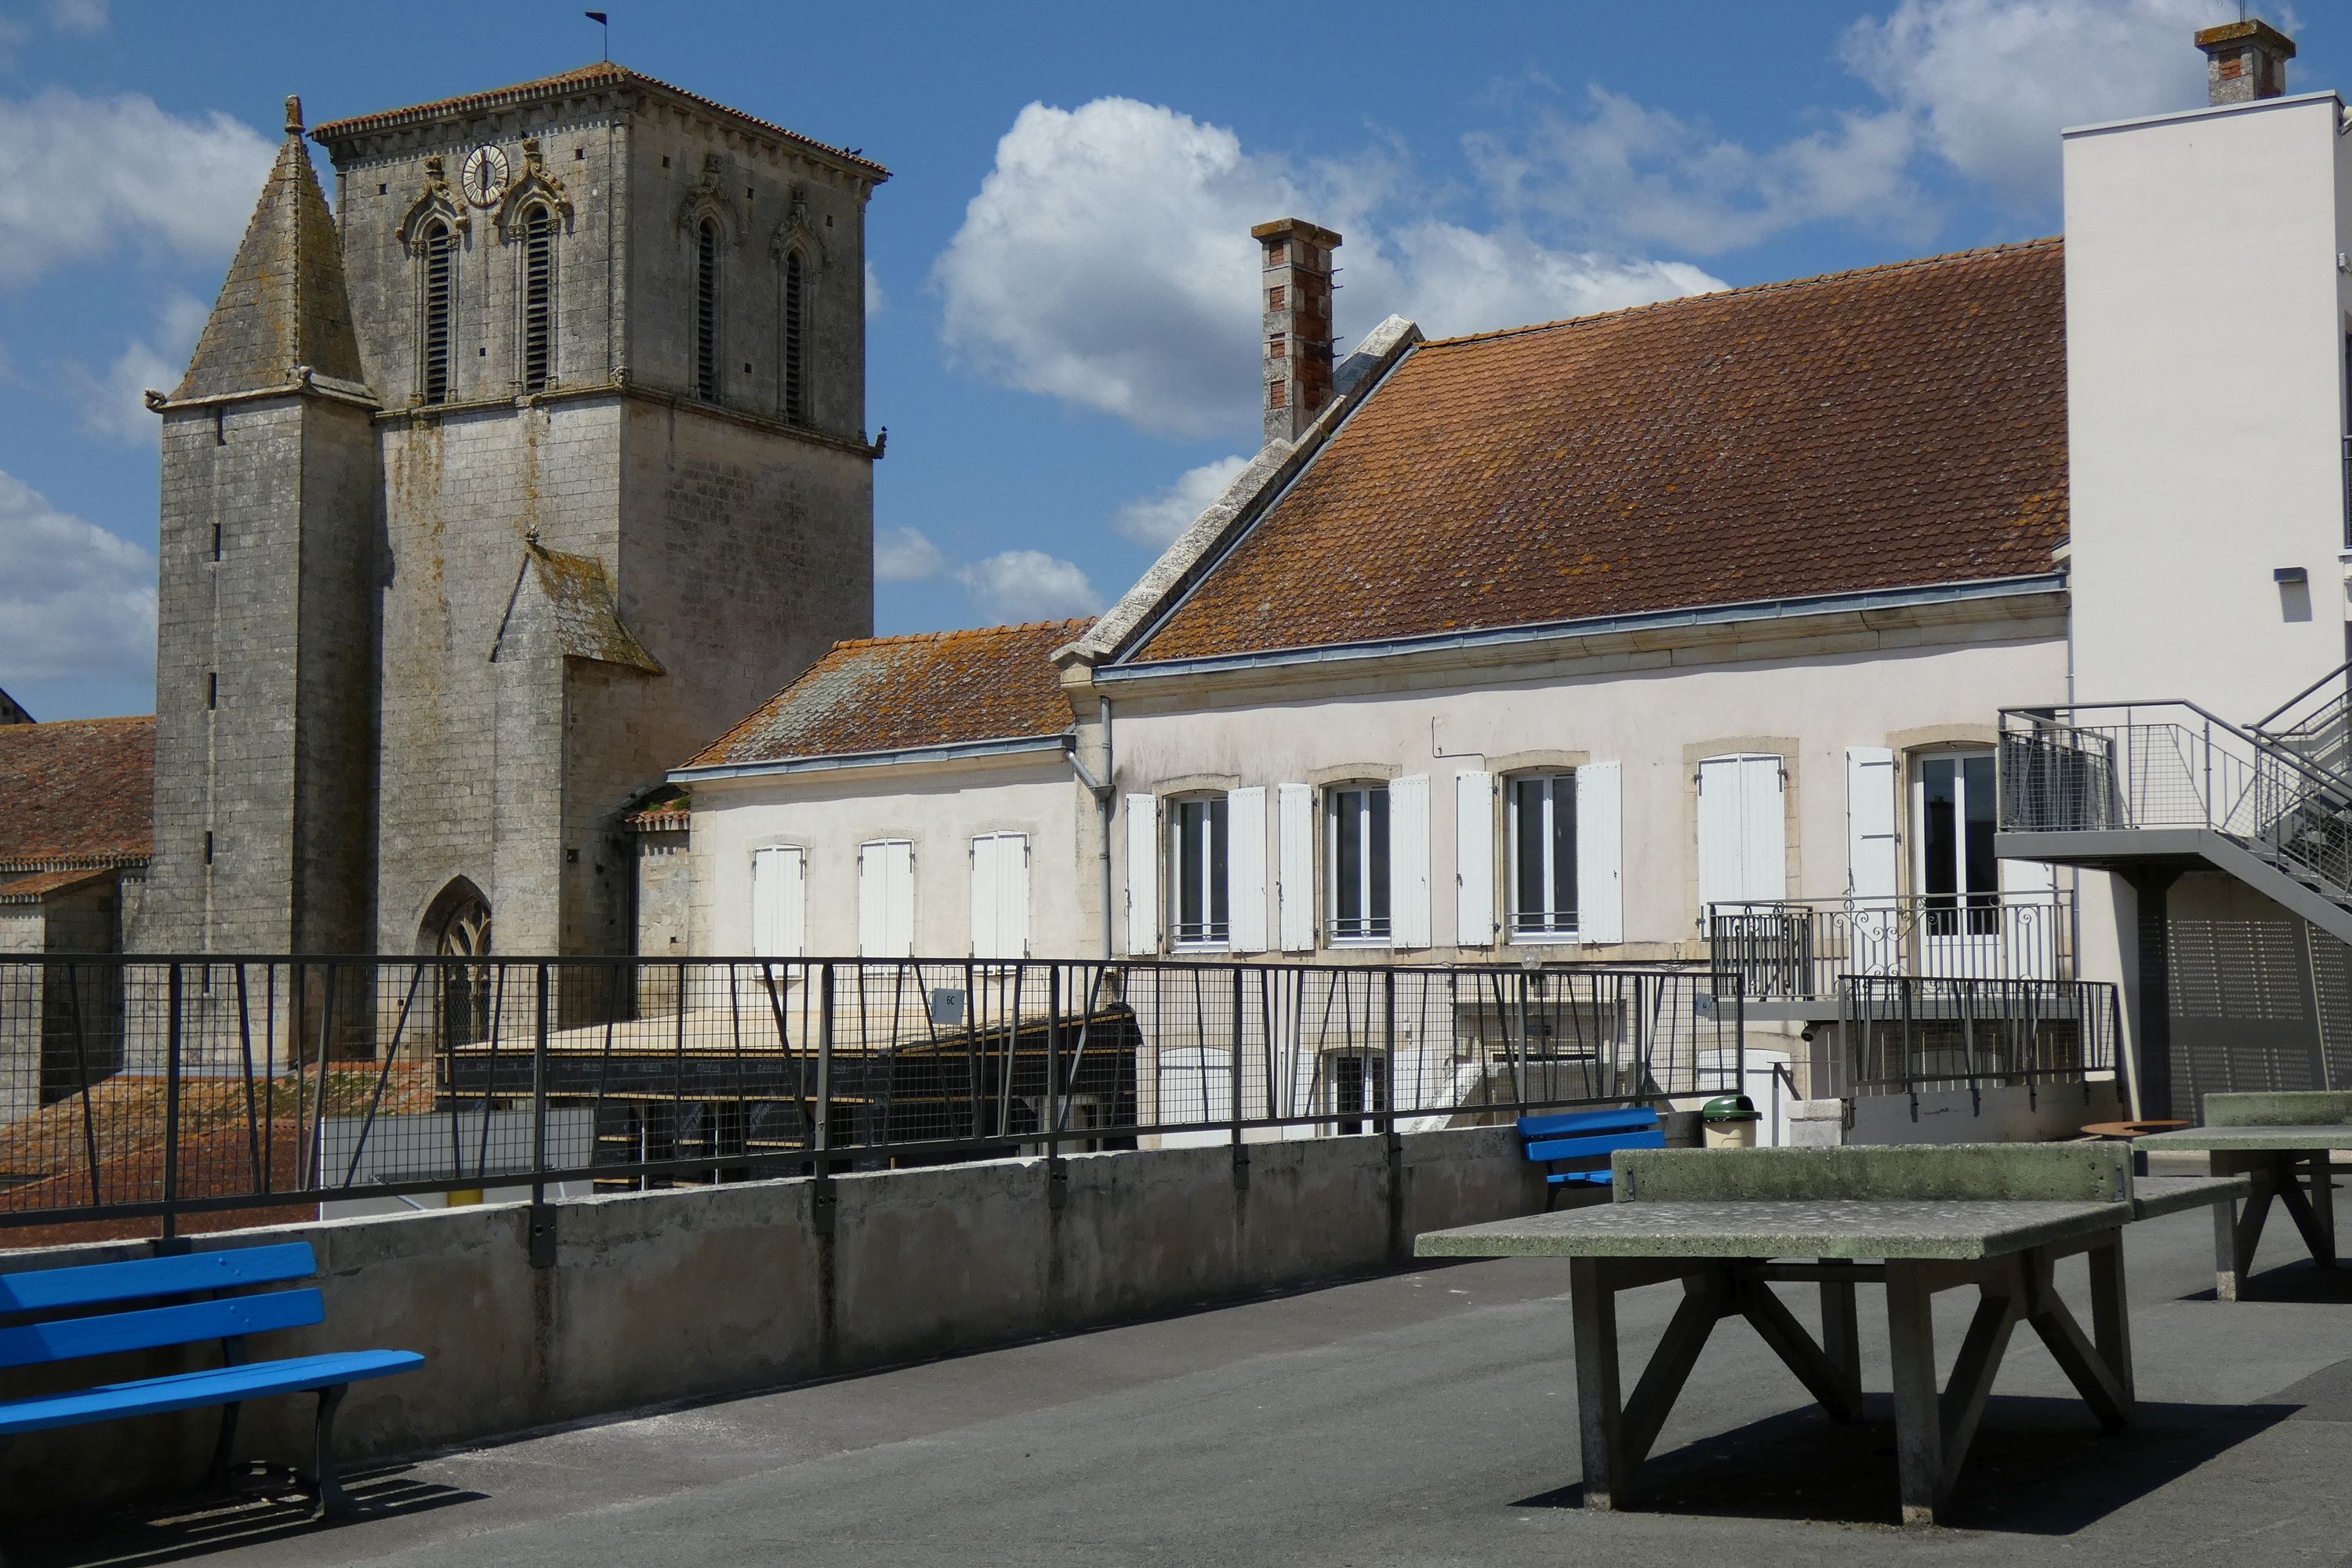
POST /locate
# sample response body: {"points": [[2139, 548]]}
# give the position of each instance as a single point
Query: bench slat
{"points": [[66, 1339], [1579, 1121], [51, 1290], [1578, 1178], [1607, 1143], [194, 1390]]}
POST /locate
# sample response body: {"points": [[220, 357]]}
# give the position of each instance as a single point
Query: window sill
{"points": [[1357, 942], [1179, 948], [1546, 939]]}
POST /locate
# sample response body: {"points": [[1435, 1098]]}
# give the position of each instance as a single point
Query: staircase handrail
{"points": [[2339, 676], [2046, 716]]}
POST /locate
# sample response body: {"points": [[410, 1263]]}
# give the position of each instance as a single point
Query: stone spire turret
{"points": [[284, 304]]}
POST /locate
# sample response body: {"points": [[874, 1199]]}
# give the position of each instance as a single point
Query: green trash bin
{"points": [[1729, 1121]]}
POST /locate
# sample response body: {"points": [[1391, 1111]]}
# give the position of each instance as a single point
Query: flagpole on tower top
{"points": [[605, 26]]}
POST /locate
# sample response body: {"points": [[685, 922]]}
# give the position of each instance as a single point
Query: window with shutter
{"points": [[706, 312], [1356, 862], [1000, 894], [1543, 855], [538, 298], [440, 303], [886, 898], [796, 304], [1199, 900], [1742, 839], [779, 902]]}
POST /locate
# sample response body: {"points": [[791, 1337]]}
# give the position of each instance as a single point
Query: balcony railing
{"points": [[1802, 950], [2108, 767]]}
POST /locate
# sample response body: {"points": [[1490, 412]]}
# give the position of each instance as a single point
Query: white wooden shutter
{"points": [[1000, 894], [1473, 858], [1245, 868], [1409, 914], [779, 902], [1142, 874], [1870, 853], [886, 898], [1296, 889], [1764, 847], [1600, 853], [1719, 824]]}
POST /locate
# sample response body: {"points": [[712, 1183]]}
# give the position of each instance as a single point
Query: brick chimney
{"points": [[2245, 62], [1295, 291]]}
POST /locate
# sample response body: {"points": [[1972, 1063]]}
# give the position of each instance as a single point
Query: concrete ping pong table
{"points": [[2280, 1142], [1730, 1223]]}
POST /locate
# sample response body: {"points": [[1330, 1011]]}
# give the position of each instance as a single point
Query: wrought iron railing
{"points": [[1802, 949], [1906, 1033], [166, 1091], [2106, 766]]}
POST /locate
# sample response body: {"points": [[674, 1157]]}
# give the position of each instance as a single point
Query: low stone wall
{"points": [[1998, 1113], [666, 1296]]}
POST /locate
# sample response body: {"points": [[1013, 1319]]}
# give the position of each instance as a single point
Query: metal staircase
{"points": [[2120, 785]]}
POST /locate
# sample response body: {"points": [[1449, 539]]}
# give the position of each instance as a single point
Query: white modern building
{"points": [[1702, 630]]}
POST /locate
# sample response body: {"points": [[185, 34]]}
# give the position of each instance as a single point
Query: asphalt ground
{"points": [[1418, 1418]]}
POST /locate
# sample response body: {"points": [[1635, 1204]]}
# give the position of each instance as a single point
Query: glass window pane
{"points": [[1217, 896], [1188, 870], [1526, 852], [1348, 861], [1376, 896], [1563, 853], [1939, 833]]}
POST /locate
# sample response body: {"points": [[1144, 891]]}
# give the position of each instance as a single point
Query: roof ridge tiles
{"points": [[953, 632], [602, 72], [1880, 269]]}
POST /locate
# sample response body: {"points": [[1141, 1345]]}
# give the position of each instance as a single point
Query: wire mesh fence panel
{"points": [[1901, 1034], [162, 1089]]}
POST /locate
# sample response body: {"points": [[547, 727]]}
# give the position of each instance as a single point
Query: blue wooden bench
{"points": [[65, 1329], [1575, 1146]]}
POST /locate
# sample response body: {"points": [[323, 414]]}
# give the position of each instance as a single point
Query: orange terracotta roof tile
{"points": [[77, 792], [894, 694], [1899, 427], [32, 890], [602, 74]]}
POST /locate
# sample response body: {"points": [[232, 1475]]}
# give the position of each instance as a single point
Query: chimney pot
{"points": [[1294, 297], [2245, 62]]}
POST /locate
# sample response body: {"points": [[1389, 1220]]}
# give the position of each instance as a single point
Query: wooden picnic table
{"points": [[1731, 1224], [2282, 1143]]}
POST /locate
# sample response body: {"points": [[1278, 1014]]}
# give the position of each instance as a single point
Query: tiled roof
{"points": [[1899, 426], [894, 694], [283, 303], [77, 792], [32, 890], [602, 74]]}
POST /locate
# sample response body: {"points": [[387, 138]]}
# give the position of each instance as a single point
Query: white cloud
{"points": [[906, 556], [1156, 520], [1029, 585], [76, 602], [83, 176], [1106, 261], [113, 404], [874, 301], [1621, 173], [87, 18], [1990, 83]]}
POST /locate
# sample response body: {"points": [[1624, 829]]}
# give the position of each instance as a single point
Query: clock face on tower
{"points": [[484, 177]]}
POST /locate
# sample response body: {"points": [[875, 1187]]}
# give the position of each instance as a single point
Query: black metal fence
{"points": [[1902, 1034], [163, 1087], [1802, 949]]}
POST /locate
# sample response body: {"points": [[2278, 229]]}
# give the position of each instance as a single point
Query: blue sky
{"points": [[1064, 347]]}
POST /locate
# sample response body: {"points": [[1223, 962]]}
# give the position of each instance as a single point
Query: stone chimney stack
{"points": [[1294, 292], [2245, 62]]}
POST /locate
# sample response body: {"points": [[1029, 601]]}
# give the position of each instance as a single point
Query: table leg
{"points": [[2314, 1214], [1601, 1414], [1918, 1412], [2238, 1228], [2099, 1366], [1839, 1341]]}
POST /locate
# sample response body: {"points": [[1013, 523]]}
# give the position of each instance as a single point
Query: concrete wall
{"points": [[940, 807], [1804, 692], [676, 1295], [2205, 332]]}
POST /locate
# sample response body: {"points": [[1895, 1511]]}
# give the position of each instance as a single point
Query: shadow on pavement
{"points": [[197, 1527], [2038, 1466], [2301, 1280]]}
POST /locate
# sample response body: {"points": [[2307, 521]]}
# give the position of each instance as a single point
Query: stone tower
{"points": [[265, 674], [607, 350]]}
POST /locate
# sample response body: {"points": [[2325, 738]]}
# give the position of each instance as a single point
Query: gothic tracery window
{"points": [[538, 298], [706, 311], [440, 282], [796, 323]]}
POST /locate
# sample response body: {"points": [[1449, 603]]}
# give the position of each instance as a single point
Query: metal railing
{"points": [[2100, 767], [1802, 949], [162, 1090], [1903, 1034], [2315, 723]]}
